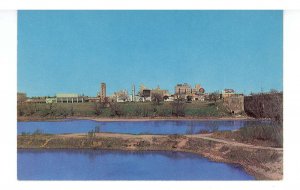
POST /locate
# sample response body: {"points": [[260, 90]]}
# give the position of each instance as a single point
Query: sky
{"points": [[74, 51]]}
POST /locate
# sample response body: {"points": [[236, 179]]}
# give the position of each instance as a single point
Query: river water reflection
{"points": [[134, 127], [122, 165]]}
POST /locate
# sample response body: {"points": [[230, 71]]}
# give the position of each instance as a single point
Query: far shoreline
{"points": [[136, 119]]}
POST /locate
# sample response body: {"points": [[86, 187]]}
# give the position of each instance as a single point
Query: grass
{"points": [[128, 109]]}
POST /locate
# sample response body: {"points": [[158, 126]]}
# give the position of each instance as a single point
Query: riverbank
{"points": [[265, 163], [139, 110], [109, 119]]}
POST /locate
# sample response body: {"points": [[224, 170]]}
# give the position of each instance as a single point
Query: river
{"points": [[122, 165], [135, 127]]}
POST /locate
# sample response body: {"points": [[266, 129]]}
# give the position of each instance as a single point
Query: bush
{"points": [[272, 133], [178, 107], [116, 110]]}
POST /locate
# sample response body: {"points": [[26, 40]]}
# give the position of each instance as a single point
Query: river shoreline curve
{"points": [[264, 163]]}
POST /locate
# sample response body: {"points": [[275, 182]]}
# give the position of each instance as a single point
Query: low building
{"points": [[38, 100], [93, 99], [168, 98], [227, 93], [198, 97], [51, 100], [70, 98], [121, 96], [145, 95], [135, 98]]}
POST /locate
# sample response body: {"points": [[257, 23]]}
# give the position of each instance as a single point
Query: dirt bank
{"points": [[265, 163], [135, 118]]}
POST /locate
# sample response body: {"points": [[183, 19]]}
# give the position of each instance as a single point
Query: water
{"points": [[134, 127], [122, 165]]}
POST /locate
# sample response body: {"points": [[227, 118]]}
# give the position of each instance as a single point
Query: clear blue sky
{"points": [[73, 51]]}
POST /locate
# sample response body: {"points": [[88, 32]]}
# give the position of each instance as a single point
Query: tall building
{"points": [[103, 92], [187, 92], [183, 89], [133, 93]]}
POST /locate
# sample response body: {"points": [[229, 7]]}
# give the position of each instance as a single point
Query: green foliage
{"points": [[127, 109]]}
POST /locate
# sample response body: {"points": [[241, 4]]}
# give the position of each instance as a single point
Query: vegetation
{"points": [[265, 105], [270, 133], [178, 108], [157, 98], [262, 135]]}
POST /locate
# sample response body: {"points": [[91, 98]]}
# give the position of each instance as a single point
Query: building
{"points": [[145, 94], [69, 98], [133, 95], [159, 91], [169, 98], [36, 100], [227, 93], [51, 100], [185, 91], [121, 96], [102, 92], [93, 99]]}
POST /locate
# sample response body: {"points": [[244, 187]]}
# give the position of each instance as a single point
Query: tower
{"points": [[102, 92], [133, 93]]}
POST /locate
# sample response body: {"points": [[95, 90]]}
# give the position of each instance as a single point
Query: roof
{"points": [[67, 95]]}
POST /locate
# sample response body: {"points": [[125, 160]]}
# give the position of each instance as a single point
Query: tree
{"points": [[98, 108], [189, 98], [156, 98], [72, 111], [115, 109], [178, 107], [123, 96], [267, 105], [274, 91], [214, 96]]}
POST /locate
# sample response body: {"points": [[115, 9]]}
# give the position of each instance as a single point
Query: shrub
{"points": [[116, 110], [178, 107], [272, 133]]}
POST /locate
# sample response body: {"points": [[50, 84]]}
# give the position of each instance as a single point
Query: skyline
{"points": [[74, 51]]}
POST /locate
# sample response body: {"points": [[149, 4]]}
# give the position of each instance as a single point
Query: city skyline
{"points": [[74, 51]]}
